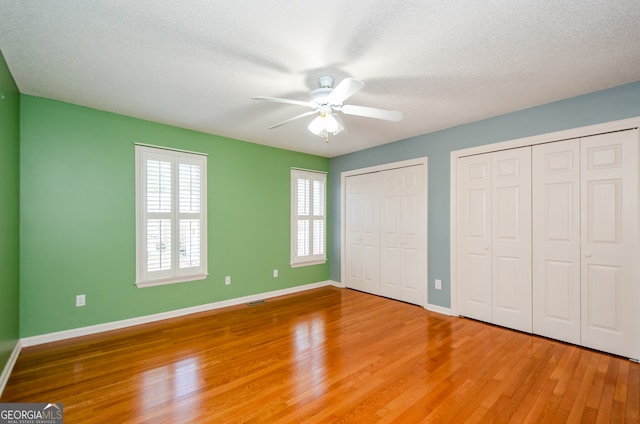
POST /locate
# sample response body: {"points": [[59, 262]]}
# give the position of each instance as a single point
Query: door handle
{"points": [[587, 255]]}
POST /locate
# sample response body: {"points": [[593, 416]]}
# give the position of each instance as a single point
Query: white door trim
{"points": [[512, 144], [343, 198]]}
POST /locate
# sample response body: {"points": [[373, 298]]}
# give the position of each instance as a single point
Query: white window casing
{"points": [[171, 216], [308, 217]]}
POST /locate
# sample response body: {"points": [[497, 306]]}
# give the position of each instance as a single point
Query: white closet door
{"points": [[474, 236], [556, 240], [403, 234], [610, 243], [353, 232], [362, 233], [511, 241]]}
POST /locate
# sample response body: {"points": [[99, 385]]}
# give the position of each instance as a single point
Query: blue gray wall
{"points": [[602, 106]]}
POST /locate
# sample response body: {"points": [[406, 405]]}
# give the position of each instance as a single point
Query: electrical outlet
{"points": [[81, 300], [438, 284], [275, 273], [227, 280]]}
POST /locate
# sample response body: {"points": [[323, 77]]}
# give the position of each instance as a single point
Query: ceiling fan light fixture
{"points": [[325, 124]]}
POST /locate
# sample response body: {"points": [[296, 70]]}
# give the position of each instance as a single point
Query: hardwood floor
{"points": [[326, 355]]}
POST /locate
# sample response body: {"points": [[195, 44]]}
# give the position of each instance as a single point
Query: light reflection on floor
{"points": [[172, 383], [309, 357]]}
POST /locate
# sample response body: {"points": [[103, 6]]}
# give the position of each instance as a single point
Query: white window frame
{"points": [[310, 258], [175, 274]]}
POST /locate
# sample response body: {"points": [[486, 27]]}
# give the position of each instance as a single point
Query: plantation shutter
{"points": [[308, 218], [171, 216]]}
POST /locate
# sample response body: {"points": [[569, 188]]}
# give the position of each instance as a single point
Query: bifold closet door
{"points": [[385, 233], [494, 237], [403, 259], [363, 233], [585, 249], [474, 236], [511, 238], [610, 291], [556, 240]]}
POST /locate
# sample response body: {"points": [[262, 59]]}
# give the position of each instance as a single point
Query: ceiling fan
{"points": [[327, 101]]}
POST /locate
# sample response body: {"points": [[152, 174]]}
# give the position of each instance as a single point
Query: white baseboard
{"points": [[6, 372], [438, 309], [115, 325]]}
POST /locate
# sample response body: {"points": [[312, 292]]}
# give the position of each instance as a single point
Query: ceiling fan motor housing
{"points": [[320, 96], [326, 81]]}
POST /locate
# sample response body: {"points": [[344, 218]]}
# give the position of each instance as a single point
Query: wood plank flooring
{"points": [[325, 355]]}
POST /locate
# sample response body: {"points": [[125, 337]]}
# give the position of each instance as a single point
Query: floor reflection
{"points": [[177, 383], [309, 356]]}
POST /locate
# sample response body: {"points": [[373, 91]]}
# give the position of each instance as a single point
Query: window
{"points": [[308, 217], [171, 216]]}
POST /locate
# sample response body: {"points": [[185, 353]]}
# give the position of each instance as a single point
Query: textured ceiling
{"points": [[196, 64]]}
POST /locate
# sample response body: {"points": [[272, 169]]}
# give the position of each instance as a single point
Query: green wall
{"points": [[78, 218], [9, 212]]}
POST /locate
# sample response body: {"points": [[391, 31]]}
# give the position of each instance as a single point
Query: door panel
{"points": [[506, 292], [353, 236], [411, 275], [557, 288], [605, 303], [474, 236], [511, 238], [604, 211], [477, 296], [371, 233], [610, 243], [403, 235], [362, 233], [391, 236], [556, 240]]}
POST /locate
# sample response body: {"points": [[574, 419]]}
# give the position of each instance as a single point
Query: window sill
{"points": [[175, 280], [309, 263]]}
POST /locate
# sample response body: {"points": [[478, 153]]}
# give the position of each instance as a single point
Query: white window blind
{"points": [[308, 217], [170, 216]]}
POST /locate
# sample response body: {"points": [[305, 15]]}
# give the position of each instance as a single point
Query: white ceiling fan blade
{"points": [[347, 88], [370, 112], [288, 101], [302, 115]]}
